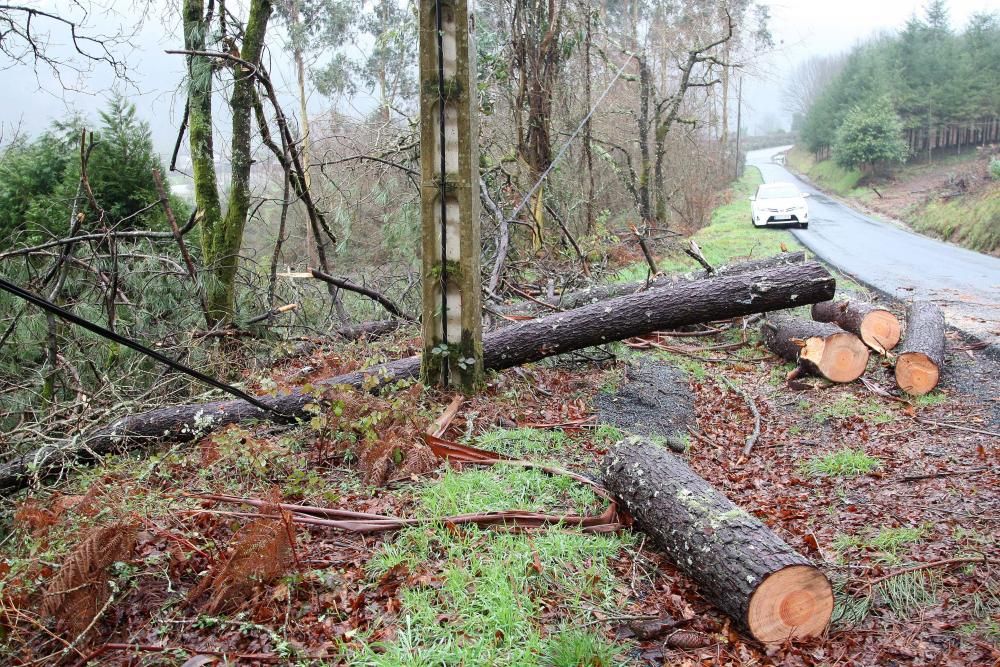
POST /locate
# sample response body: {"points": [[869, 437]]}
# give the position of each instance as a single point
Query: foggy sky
{"points": [[806, 28], [32, 99]]}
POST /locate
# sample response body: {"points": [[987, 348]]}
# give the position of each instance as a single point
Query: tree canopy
{"points": [[930, 75], [40, 177]]}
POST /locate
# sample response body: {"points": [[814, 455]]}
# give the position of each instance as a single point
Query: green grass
{"points": [[844, 463], [728, 238], [850, 406], [489, 590], [973, 222], [831, 176], [828, 175], [929, 400]]}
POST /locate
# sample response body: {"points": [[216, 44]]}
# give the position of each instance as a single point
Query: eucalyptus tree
{"points": [[385, 67]]}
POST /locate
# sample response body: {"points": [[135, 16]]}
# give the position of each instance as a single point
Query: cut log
{"points": [[616, 319], [589, 295], [919, 363], [821, 349], [739, 564], [878, 328]]}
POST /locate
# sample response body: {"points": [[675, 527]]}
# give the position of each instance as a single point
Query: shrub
{"points": [[995, 169]]}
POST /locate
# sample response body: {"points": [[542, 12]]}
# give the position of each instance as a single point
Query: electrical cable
{"points": [[50, 307]]}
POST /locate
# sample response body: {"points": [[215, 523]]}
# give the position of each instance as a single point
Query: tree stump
{"points": [[878, 328], [918, 365], [740, 565], [821, 349]]}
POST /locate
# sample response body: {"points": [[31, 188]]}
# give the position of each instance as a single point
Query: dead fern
{"points": [[387, 436], [34, 518], [261, 552], [80, 588]]}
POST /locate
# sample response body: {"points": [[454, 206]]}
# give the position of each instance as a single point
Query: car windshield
{"points": [[779, 191]]}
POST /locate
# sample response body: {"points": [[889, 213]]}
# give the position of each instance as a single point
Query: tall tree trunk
{"points": [[200, 77], [222, 235], [588, 150], [300, 73], [536, 28], [644, 202]]}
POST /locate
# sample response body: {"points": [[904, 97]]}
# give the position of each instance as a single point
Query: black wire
{"points": [[47, 305], [443, 191]]}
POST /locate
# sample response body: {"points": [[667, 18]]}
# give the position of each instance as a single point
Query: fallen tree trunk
{"points": [[583, 297], [520, 343], [821, 349], [740, 565], [369, 330], [878, 328], [918, 365]]}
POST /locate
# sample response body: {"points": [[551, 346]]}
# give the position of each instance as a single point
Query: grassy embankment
{"points": [[827, 175], [973, 222]]}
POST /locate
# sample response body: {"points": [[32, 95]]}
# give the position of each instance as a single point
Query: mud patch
{"points": [[656, 401]]}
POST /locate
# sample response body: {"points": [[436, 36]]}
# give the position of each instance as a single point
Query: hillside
{"points": [[953, 198]]}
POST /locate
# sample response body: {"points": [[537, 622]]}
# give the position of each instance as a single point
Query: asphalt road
{"points": [[897, 262]]}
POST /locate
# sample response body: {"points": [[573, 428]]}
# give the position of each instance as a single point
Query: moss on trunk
{"points": [[221, 234]]}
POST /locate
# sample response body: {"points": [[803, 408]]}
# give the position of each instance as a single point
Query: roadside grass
{"points": [[729, 237], [848, 406], [489, 594], [973, 222], [827, 174], [843, 463]]}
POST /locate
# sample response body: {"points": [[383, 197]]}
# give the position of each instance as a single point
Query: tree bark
{"points": [[822, 349], [740, 565], [369, 330], [918, 365], [221, 233], [615, 319], [878, 328], [590, 295]]}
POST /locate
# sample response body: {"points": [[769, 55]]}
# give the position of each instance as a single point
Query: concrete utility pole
{"points": [[449, 166]]}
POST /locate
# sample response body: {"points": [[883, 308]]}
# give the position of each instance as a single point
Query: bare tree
{"points": [[58, 40]]}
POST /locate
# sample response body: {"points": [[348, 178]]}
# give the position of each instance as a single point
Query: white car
{"points": [[779, 204]]}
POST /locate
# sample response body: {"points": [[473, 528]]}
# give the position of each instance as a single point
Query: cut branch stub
{"points": [[821, 349], [740, 565], [878, 328], [918, 365]]}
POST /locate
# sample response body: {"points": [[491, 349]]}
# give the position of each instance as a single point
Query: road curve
{"points": [[897, 262]]}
